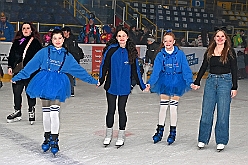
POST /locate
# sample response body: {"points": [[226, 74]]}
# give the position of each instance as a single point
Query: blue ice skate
{"points": [[159, 134], [54, 144], [46, 144], [172, 136]]}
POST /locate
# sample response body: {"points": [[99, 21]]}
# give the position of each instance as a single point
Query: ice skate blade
{"points": [[219, 150], [31, 122], [14, 120], [119, 146]]}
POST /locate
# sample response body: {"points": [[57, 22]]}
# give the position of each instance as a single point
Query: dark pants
{"points": [[17, 91], [122, 100], [71, 78]]}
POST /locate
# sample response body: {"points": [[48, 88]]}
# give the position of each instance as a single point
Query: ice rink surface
{"points": [[82, 131]]}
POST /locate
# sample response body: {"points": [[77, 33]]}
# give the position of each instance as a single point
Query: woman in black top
{"points": [[221, 86], [16, 55]]}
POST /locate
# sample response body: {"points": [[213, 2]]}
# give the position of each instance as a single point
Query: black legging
{"points": [[17, 91], [122, 100]]}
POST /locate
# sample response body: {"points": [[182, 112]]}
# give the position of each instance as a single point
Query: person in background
{"points": [[90, 33], [241, 65], [120, 57], [106, 35], [220, 87], [71, 45], [133, 34], [246, 60], [170, 79], [53, 62], [6, 29], [145, 35], [152, 49], [242, 34], [47, 38], [26, 44]]}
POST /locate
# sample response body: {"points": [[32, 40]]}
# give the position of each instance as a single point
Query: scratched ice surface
{"points": [[83, 125]]}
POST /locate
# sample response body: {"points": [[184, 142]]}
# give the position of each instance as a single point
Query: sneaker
{"points": [[16, 116], [220, 147], [201, 145]]}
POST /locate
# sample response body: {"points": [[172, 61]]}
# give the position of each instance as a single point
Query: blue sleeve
{"points": [[72, 67], [33, 65], [186, 71], [157, 68]]}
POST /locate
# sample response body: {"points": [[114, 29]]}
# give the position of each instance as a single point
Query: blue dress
{"points": [[171, 74], [51, 82]]}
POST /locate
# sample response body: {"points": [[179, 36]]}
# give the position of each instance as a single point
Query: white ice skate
{"points": [[220, 147], [108, 137], [201, 145], [120, 139]]}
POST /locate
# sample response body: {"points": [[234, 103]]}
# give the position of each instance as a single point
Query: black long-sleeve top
{"points": [[217, 67]]}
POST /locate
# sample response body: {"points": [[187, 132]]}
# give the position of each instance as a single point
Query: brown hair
{"points": [[169, 33], [225, 51]]}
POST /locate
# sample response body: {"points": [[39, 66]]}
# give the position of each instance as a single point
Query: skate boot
{"points": [[108, 137], [220, 147], [201, 145], [16, 116], [31, 114], [172, 137], [54, 144], [159, 134], [46, 144], [120, 139]]}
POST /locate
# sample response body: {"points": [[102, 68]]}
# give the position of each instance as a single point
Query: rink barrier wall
{"points": [[93, 56]]}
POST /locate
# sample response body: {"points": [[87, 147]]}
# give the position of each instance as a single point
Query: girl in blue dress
{"points": [[51, 84], [171, 78]]}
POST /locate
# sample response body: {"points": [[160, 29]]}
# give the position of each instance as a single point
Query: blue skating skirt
{"points": [[49, 85], [170, 84]]}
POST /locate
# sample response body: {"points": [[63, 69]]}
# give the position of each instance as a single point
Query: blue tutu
{"points": [[170, 84], [49, 85]]}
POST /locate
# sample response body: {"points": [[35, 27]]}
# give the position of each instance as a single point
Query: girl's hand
{"points": [[10, 71], [13, 82], [233, 93], [195, 87], [98, 84], [147, 87]]}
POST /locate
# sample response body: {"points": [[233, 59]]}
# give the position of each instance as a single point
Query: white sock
{"points": [[46, 119], [173, 112], [54, 115], [162, 113]]}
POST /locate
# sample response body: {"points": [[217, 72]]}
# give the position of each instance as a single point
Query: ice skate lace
{"points": [[14, 114]]}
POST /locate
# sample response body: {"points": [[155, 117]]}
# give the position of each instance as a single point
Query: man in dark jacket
{"points": [[151, 53], [71, 45], [152, 50]]}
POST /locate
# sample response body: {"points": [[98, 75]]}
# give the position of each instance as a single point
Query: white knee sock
{"points": [[54, 115], [173, 112], [162, 113], [46, 119]]}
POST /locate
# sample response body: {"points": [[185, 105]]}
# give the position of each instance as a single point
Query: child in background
{"points": [[53, 61], [171, 78]]}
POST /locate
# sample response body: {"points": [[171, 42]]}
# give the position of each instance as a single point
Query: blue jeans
{"points": [[217, 91]]}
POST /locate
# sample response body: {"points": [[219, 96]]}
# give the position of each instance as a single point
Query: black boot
{"points": [[54, 143], [159, 134], [31, 114], [172, 136], [46, 144]]}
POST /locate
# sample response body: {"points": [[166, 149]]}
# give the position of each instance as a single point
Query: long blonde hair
{"points": [[225, 51]]}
